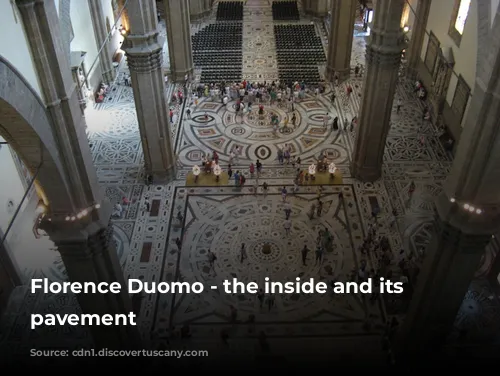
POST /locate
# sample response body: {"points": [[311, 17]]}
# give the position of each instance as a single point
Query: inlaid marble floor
{"points": [[222, 217], [259, 56]]}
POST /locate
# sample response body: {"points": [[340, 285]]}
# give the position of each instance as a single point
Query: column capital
{"points": [[144, 51], [465, 243], [77, 228], [387, 56], [88, 245], [385, 46], [143, 62]]}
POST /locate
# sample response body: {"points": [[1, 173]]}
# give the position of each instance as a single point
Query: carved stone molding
{"points": [[143, 63], [464, 243], [375, 56]]}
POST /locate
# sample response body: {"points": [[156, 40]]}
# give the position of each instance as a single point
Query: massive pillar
{"points": [[144, 57], [78, 224], [417, 36], [10, 277], [89, 255], [468, 214], [340, 39], [199, 8], [102, 40], [179, 38], [383, 56], [316, 8]]}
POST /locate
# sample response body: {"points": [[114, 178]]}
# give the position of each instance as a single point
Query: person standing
{"points": [[354, 122], [319, 208], [283, 194], [319, 255], [261, 296], [335, 124], [288, 226], [211, 260], [237, 179], [288, 210], [270, 301], [325, 120], [243, 253], [304, 253], [258, 165]]}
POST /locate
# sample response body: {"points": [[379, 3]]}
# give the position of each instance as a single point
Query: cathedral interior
{"points": [[109, 109]]}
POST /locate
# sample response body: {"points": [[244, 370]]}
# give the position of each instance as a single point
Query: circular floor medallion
{"points": [[238, 131], [286, 130], [263, 152], [265, 251], [200, 119]]}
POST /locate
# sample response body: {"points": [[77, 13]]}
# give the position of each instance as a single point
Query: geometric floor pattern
{"points": [[225, 217]]}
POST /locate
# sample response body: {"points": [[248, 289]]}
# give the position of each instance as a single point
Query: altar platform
{"points": [[207, 180], [323, 178]]}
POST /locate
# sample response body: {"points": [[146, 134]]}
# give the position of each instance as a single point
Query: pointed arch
{"points": [[25, 125]]}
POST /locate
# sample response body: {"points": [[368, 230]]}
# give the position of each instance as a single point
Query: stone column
{"points": [[383, 57], [340, 39], [102, 40], [89, 255], [469, 210], [79, 217], [59, 93], [417, 37], [316, 8], [179, 38], [199, 8], [452, 258], [143, 47]]}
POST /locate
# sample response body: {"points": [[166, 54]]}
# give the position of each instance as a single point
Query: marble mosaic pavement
{"points": [[223, 217]]}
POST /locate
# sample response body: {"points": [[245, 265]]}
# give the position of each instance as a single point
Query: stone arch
{"points": [[25, 125]]}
